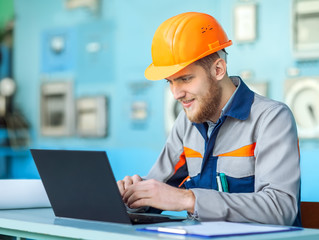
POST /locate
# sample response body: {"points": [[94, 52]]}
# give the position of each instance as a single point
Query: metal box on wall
{"points": [[57, 109], [305, 22], [92, 117]]}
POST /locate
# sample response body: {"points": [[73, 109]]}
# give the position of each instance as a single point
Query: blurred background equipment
{"points": [[14, 129], [245, 22], [57, 108], [58, 49], [305, 29], [92, 118], [302, 96], [11, 121]]}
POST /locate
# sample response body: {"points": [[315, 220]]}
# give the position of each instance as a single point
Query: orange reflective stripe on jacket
{"points": [[188, 177], [245, 151], [181, 162], [190, 153]]}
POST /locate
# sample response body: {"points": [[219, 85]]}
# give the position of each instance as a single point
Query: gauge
{"points": [[57, 44], [303, 99], [7, 87]]}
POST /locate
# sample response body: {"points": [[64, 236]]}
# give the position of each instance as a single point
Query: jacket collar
{"points": [[242, 101], [239, 107]]}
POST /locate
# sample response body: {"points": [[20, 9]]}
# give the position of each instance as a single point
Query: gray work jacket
{"points": [[255, 146]]}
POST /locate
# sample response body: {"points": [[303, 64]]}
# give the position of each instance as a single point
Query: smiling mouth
{"points": [[187, 103]]}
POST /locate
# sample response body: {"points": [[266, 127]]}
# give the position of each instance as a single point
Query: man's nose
{"points": [[177, 91]]}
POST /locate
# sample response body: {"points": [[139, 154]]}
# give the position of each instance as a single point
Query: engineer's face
{"points": [[199, 94]]}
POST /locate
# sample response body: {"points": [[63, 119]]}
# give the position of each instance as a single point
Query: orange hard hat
{"points": [[183, 39]]}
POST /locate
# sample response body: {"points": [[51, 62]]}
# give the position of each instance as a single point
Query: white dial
{"points": [[303, 99], [57, 44], [7, 87]]}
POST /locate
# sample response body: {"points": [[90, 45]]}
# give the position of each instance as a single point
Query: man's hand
{"points": [[128, 181], [159, 195]]}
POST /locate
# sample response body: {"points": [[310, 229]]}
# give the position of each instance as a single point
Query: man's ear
{"points": [[219, 69]]}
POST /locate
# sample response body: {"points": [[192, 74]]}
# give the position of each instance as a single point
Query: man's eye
{"points": [[168, 81], [186, 79]]}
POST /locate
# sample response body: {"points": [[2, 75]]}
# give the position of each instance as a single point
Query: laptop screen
{"points": [[80, 184]]}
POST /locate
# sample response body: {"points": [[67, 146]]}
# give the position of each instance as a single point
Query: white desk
{"points": [[42, 224]]}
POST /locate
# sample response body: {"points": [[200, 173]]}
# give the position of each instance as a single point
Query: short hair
{"points": [[207, 61]]}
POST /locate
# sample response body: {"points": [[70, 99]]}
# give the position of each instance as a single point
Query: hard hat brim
{"points": [[155, 73], [158, 73]]}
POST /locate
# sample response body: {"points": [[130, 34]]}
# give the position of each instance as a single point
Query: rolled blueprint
{"points": [[22, 193]]}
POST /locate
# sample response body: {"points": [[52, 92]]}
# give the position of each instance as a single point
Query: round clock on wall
{"points": [[302, 96]]}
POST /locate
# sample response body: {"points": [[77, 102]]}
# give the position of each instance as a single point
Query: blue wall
{"points": [[127, 28]]}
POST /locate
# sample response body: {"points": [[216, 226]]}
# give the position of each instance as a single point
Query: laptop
{"points": [[81, 185]]}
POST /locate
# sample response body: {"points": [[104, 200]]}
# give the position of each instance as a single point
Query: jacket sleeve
{"points": [[170, 165], [277, 178]]}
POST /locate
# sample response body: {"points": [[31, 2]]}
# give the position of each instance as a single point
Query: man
{"points": [[232, 154]]}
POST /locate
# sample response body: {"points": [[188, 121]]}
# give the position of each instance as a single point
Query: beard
{"points": [[208, 104]]}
